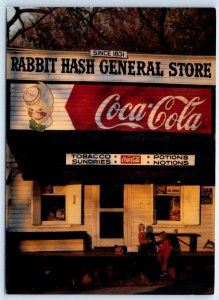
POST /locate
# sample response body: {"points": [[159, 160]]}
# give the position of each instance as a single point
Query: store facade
{"points": [[102, 141]]}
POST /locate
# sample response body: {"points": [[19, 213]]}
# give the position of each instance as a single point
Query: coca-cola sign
{"points": [[131, 159], [142, 108]]}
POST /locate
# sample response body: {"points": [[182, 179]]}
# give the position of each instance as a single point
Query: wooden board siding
{"points": [[20, 191], [19, 204], [51, 245], [138, 199], [207, 228], [191, 203], [22, 211], [73, 202], [91, 202]]}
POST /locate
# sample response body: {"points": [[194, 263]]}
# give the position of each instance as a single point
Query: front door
{"points": [[111, 216]]}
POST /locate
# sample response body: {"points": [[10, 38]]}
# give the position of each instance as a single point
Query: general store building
{"points": [[100, 144]]}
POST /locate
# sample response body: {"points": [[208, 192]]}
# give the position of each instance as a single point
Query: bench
{"points": [[15, 240], [176, 238]]}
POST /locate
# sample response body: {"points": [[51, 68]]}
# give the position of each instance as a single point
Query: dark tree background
{"points": [[144, 30]]}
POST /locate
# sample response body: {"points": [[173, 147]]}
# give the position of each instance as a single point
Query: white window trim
{"points": [[54, 222], [172, 222]]}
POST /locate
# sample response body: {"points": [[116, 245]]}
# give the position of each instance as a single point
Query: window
{"points": [[53, 208], [175, 204], [57, 205], [111, 225], [111, 218], [167, 203], [111, 196], [53, 203]]}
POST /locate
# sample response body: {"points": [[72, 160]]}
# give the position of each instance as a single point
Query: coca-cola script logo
{"points": [[128, 108], [130, 159]]}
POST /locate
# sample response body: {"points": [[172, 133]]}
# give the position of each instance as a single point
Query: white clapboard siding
{"points": [[139, 201], [191, 205], [19, 203], [20, 191], [73, 201], [138, 208], [19, 216], [91, 202], [207, 229]]}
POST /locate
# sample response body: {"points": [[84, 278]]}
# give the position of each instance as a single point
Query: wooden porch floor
{"points": [[105, 253], [45, 272]]}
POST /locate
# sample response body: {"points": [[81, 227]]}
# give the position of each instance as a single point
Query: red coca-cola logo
{"points": [[130, 159], [131, 108]]}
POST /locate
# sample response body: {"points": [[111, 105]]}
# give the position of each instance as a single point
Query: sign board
{"points": [[116, 94], [170, 160], [81, 66], [61, 106], [109, 53]]}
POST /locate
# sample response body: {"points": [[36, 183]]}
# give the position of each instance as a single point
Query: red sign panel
{"points": [[140, 108], [130, 159]]}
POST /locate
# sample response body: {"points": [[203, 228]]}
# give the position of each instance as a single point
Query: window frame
{"points": [[69, 201], [171, 194], [190, 207], [50, 222]]}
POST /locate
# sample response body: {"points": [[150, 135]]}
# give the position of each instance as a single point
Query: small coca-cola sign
{"points": [[141, 108], [130, 159]]}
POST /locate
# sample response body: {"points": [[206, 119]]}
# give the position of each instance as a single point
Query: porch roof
{"points": [[41, 156]]}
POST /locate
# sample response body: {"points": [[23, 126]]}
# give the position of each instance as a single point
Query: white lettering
{"points": [[169, 112], [109, 114], [191, 121]]}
